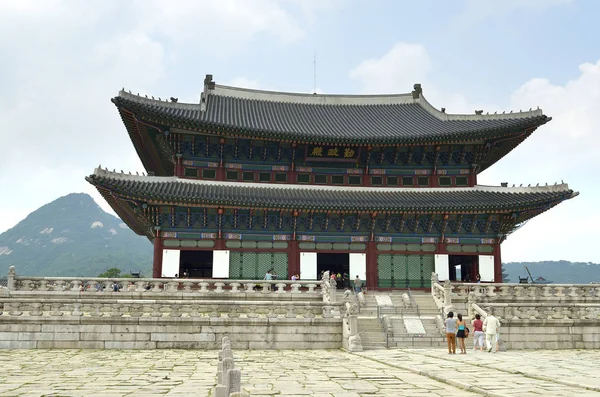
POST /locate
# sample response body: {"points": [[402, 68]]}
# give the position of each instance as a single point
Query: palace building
{"points": [[380, 186]]}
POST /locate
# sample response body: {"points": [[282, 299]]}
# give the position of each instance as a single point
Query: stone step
{"points": [[372, 342], [370, 329], [373, 347], [411, 339], [418, 344]]}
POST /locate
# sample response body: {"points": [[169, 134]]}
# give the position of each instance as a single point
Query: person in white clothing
{"points": [[490, 327]]}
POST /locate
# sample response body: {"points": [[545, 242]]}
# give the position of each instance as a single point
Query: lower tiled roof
{"points": [[176, 191]]}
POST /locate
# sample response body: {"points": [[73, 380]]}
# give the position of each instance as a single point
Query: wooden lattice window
{"points": [[209, 174], [337, 179], [248, 176], [231, 175], [354, 180], [321, 179], [445, 181], [191, 172], [280, 177], [303, 178], [462, 181]]}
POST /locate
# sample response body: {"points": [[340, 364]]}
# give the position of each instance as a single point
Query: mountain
{"points": [[559, 272], [73, 236]]}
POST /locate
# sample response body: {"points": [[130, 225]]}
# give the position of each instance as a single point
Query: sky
{"points": [[63, 60]]}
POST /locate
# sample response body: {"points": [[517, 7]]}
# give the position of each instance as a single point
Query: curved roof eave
{"points": [[197, 192]]}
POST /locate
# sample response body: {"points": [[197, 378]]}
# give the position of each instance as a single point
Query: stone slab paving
{"points": [[512, 373], [318, 373]]}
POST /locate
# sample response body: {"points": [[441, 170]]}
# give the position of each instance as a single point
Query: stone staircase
{"points": [[427, 313], [370, 327], [371, 333]]}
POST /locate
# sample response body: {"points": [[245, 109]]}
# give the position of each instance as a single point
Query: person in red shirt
{"points": [[478, 334]]}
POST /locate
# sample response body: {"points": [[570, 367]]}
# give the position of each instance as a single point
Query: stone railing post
{"points": [[326, 292], [229, 378], [447, 296], [11, 278], [219, 288], [470, 301], [296, 288], [434, 280], [447, 293], [354, 340]]}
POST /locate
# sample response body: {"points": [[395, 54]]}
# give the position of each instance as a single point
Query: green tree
{"points": [[113, 272]]}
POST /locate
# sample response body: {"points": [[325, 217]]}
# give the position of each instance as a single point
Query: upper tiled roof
{"points": [[196, 192], [368, 119]]}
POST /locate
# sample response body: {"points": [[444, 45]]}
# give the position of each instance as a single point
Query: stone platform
{"points": [[427, 372]]}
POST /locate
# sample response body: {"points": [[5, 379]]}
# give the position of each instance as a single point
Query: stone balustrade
{"points": [[82, 313], [514, 312], [526, 292], [544, 316], [92, 285], [164, 308]]}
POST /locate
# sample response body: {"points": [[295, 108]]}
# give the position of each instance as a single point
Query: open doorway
{"points": [[335, 263], [196, 264], [462, 268]]}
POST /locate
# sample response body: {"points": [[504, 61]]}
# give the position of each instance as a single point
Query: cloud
{"points": [[396, 71], [243, 82], [399, 69], [68, 58], [478, 11], [564, 149], [220, 26]]}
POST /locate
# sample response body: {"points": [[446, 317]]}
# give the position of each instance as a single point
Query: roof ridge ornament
{"points": [[417, 92], [209, 85]]}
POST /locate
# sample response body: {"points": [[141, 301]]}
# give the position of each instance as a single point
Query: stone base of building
{"points": [[537, 335], [50, 332]]}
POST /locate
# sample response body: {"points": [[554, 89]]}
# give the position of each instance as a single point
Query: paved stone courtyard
{"points": [[416, 372]]}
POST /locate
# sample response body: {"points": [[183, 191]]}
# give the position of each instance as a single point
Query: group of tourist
{"points": [[457, 331], [342, 279]]}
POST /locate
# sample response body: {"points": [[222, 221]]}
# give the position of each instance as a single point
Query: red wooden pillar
{"points": [[366, 178], [220, 174], [219, 244], [372, 279], [472, 178], [291, 178], [178, 166], [434, 179], [158, 256], [497, 264], [293, 258]]}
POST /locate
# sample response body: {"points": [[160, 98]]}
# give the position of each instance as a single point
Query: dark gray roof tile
{"points": [[326, 118], [479, 198]]}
